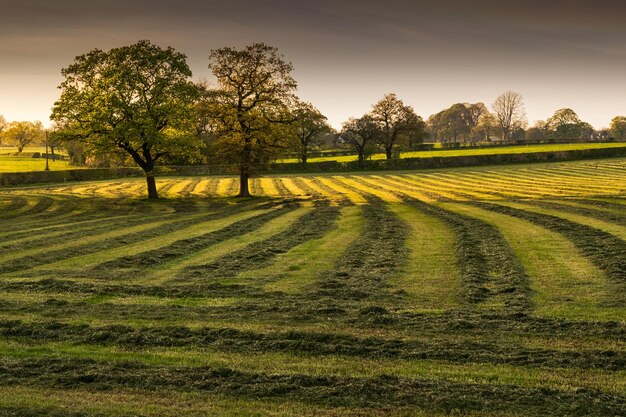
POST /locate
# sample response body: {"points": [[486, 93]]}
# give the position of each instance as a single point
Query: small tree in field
{"points": [[249, 111], [3, 124], [565, 124], [137, 99], [398, 123], [308, 126], [21, 134], [618, 127], [362, 135]]}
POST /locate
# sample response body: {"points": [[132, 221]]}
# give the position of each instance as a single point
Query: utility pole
{"points": [[47, 167]]}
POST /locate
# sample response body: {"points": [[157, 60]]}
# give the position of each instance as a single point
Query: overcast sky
{"points": [[346, 54]]}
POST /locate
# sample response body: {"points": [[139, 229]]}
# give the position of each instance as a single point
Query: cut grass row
{"points": [[383, 391]]}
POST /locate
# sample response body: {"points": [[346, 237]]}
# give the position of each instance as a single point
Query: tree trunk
{"points": [[388, 150], [151, 182], [244, 190], [303, 157], [361, 159]]}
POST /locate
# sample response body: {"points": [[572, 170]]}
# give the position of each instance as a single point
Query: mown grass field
{"points": [[27, 164], [494, 291], [516, 149], [11, 161]]}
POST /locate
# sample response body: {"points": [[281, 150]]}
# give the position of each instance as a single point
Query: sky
{"points": [[346, 54]]}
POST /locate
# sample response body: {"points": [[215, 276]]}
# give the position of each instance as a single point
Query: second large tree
{"points": [[249, 110]]}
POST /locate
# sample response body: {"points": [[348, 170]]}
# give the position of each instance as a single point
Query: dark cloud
{"points": [[347, 53]]}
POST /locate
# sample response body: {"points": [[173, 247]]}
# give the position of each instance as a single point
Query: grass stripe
{"points": [[430, 277], [564, 283], [605, 250], [297, 268], [492, 276]]}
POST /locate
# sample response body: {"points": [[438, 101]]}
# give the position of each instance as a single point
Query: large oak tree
{"points": [[249, 110], [137, 99]]}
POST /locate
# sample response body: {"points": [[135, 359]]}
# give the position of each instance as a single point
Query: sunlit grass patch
{"points": [[336, 186], [474, 151], [29, 164]]}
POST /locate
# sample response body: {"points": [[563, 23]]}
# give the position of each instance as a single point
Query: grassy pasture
{"points": [[27, 164], [514, 149], [493, 291], [11, 161]]}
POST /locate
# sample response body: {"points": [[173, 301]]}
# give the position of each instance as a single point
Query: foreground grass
{"points": [[454, 292]]}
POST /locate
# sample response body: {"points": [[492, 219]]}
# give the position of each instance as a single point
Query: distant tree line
{"points": [[465, 123], [138, 103]]}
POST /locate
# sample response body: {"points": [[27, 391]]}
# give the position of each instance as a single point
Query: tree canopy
{"points": [[361, 134], [3, 124], [137, 99], [398, 123], [21, 134], [459, 123], [248, 113], [308, 126], [618, 127], [565, 124]]}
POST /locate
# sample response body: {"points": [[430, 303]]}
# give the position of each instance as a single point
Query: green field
{"points": [[28, 164], [516, 149], [492, 291], [11, 161]]}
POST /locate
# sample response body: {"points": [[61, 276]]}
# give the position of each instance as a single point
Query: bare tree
{"points": [[509, 112]]}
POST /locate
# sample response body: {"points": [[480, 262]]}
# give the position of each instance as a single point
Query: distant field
{"points": [[9, 162], [26, 164], [492, 291], [13, 149], [477, 151]]}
